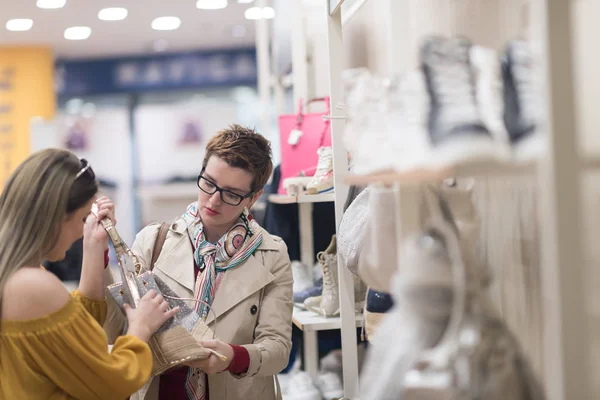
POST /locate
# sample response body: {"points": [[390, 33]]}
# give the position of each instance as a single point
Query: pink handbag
{"points": [[301, 135]]}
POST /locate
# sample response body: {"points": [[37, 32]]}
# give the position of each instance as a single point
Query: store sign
{"points": [[163, 72], [26, 91]]}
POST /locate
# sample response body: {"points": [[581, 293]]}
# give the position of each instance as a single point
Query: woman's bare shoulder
{"points": [[32, 293]]}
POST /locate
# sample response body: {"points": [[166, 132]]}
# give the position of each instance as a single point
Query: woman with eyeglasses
{"points": [[52, 345], [216, 252]]}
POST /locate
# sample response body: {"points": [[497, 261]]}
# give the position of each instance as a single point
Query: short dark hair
{"points": [[242, 147]]}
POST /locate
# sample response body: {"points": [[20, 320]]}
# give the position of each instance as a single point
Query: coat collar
{"points": [[237, 284], [268, 243]]}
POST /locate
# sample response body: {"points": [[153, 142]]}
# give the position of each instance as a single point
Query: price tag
{"points": [[294, 137]]}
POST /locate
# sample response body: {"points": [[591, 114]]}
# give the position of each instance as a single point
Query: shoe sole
{"points": [[469, 150], [529, 150]]}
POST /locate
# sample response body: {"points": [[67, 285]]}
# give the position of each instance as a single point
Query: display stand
{"points": [[566, 336]]}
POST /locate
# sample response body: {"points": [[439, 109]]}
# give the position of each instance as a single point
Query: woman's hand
{"points": [[214, 364], [94, 234], [151, 312]]}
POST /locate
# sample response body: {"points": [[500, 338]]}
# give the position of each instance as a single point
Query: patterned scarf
{"points": [[235, 247]]}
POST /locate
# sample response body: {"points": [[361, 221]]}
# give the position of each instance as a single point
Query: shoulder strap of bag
{"points": [[158, 244]]}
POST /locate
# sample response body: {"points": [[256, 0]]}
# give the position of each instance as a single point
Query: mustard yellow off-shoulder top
{"points": [[64, 355]]}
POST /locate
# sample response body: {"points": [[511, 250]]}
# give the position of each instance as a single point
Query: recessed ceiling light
{"points": [[259, 13], [211, 4], [268, 12], [78, 33], [113, 14], [253, 13], [166, 23], [51, 4], [19, 25]]}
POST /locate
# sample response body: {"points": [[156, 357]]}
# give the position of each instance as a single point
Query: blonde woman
{"points": [[52, 345]]}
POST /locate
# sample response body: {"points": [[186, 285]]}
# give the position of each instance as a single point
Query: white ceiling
{"points": [[200, 29]]}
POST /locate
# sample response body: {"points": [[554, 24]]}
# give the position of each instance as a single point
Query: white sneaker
{"points": [[322, 182], [296, 185], [301, 387], [330, 385], [456, 128], [302, 276]]}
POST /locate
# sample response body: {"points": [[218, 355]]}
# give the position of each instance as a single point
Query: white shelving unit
{"points": [[311, 323], [566, 337]]}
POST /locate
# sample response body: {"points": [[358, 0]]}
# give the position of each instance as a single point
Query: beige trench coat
{"points": [[253, 307]]}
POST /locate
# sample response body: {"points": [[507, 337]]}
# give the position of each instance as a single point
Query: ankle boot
{"points": [[330, 300]]}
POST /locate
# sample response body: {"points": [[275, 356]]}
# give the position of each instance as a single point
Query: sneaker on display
{"points": [[301, 387], [487, 74], [296, 185], [322, 182], [456, 130], [330, 385], [302, 277], [332, 362], [522, 102]]}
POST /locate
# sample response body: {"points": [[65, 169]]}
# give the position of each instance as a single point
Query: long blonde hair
{"points": [[36, 198]]}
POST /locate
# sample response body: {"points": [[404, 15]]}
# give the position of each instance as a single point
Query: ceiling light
{"points": [[268, 12], [211, 4], [166, 23], [253, 13], [259, 13], [19, 25], [113, 14], [78, 33], [51, 4]]}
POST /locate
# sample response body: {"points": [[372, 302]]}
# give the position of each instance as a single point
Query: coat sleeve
{"points": [[116, 323], [270, 352]]}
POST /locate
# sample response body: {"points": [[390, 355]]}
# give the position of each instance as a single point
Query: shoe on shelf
{"points": [[487, 74], [322, 182], [314, 304], [301, 387], [523, 108], [377, 305], [330, 385], [457, 132], [330, 297], [302, 277], [301, 296], [296, 185], [332, 362]]}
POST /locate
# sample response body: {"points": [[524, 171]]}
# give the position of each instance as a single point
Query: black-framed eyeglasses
{"points": [[227, 197], [86, 169]]}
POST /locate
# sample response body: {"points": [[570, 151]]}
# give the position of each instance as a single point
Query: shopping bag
{"points": [[301, 135]]}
